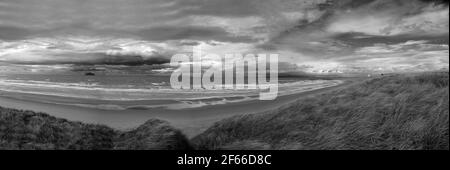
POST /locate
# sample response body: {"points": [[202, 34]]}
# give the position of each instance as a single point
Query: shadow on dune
{"points": [[30, 130]]}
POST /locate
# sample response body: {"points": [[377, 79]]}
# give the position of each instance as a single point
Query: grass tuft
{"points": [[393, 112]]}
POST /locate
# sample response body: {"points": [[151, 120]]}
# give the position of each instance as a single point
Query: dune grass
{"points": [[391, 112], [29, 130]]}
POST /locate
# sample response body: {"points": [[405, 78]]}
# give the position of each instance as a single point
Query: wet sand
{"points": [[191, 121]]}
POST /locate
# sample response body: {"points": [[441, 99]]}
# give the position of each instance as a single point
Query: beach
{"points": [[190, 120]]}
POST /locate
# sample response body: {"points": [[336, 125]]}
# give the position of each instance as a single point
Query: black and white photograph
{"points": [[216, 75]]}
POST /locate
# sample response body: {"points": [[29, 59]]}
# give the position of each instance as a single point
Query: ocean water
{"points": [[132, 91]]}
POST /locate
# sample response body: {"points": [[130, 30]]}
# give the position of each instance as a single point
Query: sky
{"points": [[311, 36]]}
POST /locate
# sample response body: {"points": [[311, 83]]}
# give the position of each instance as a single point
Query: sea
{"points": [[131, 90]]}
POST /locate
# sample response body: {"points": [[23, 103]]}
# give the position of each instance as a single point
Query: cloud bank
{"points": [[318, 36]]}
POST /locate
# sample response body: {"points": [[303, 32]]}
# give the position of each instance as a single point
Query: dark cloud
{"points": [[62, 16], [192, 43], [232, 8], [350, 4], [130, 60], [13, 33], [94, 59], [437, 2], [191, 33], [363, 40]]}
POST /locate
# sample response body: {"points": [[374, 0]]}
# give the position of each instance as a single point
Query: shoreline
{"points": [[191, 121]]}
